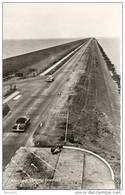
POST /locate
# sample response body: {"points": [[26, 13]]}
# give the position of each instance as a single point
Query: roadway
{"points": [[36, 100]]}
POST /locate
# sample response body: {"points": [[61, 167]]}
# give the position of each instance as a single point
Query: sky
{"points": [[61, 20]]}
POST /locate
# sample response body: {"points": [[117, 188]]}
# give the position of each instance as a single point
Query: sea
{"points": [[112, 47], [17, 47], [21, 46]]}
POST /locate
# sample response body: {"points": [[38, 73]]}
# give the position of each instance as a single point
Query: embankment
{"points": [[41, 59], [91, 104]]}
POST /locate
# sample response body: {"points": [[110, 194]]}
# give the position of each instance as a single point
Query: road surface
{"points": [[36, 100]]}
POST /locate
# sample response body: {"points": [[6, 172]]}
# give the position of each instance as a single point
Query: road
{"points": [[36, 100]]}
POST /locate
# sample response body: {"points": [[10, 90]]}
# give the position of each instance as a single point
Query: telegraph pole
{"points": [[66, 127]]}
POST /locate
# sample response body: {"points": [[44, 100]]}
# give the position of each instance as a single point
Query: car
{"points": [[50, 78], [21, 124], [56, 149]]}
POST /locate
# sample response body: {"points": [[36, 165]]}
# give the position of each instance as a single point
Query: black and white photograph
{"points": [[61, 96]]}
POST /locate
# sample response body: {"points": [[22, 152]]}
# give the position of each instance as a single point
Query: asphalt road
{"points": [[36, 100]]}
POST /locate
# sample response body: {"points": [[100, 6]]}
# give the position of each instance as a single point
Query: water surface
{"points": [[17, 47], [112, 48]]}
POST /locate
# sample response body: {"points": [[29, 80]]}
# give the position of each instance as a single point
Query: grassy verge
{"points": [[90, 123]]}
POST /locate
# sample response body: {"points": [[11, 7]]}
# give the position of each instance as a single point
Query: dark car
{"points": [[21, 124], [56, 149]]}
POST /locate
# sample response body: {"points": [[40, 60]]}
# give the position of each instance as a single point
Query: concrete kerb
{"points": [[94, 154], [77, 149], [56, 64]]}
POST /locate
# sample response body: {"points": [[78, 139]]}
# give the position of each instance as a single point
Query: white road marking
{"points": [[17, 97], [10, 96], [10, 135]]}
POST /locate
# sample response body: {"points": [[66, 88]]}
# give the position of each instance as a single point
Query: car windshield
{"points": [[21, 120], [15, 127]]}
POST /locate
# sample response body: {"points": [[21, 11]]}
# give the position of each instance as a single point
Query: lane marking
{"points": [[17, 97], [10, 97]]}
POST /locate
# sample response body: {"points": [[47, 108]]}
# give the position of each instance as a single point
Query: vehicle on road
{"points": [[41, 124], [50, 78], [21, 124], [56, 149]]}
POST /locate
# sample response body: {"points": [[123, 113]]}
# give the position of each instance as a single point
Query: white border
{"points": [[61, 192]]}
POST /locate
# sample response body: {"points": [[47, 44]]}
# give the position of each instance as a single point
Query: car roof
{"points": [[21, 118]]}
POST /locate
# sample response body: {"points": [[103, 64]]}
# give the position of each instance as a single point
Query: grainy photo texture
{"points": [[61, 96]]}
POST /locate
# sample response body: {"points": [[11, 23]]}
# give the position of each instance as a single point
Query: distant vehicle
{"points": [[41, 124], [21, 124], [59, 93], [50, 78], [56, 149]]}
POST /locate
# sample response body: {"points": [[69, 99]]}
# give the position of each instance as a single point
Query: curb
{"points": [[61, 60], [94, 154]]}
